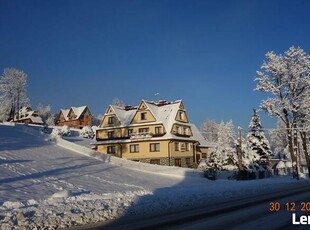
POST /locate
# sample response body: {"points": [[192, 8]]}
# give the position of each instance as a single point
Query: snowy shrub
{"points": [[202, 165], [63, 131], [55, 132], [87, 132]]}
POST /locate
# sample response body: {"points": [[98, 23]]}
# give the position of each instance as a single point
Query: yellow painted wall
{"points": [[144, 150], [203, 150], [105, 121], [181, 153], [103, 134], [188, 132], [137, 118]]}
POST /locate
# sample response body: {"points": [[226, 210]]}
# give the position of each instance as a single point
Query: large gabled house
{"points": [[156, 133], [75, 117], [28, 116]]}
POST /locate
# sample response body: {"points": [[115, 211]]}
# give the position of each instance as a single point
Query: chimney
{"points": [[128, 107], [162, 103]]}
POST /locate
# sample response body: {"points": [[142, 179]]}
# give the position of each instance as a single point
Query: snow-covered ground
{"points": [[47, 186]]}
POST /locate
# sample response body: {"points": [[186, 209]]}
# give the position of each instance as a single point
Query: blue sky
{"points": [[203, 52]]}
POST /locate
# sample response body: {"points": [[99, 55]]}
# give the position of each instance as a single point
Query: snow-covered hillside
{"points": [[43, 184]]}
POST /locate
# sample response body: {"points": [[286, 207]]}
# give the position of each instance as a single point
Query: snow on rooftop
{"points": [[197, 136], [26, 113], [77, 111], [165, 113], [124, 116]]}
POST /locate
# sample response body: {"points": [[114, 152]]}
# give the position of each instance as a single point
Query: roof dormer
{"points": [[143, 114], [110, 119]]}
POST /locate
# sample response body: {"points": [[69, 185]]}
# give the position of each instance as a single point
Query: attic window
{"points": [[143, 116], [111, 120], [182, 116]]}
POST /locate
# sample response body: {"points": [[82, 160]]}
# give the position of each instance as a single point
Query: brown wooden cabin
{"points": [[27, 116], [75, 117]]}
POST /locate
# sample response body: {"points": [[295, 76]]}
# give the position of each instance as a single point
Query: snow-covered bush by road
{"points": [[87, 132], [62, 131]]}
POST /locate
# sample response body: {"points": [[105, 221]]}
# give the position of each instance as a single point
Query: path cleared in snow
{"points": [[44, 185]]}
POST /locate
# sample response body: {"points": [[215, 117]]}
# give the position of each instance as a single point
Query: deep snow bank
{"points": [[61, 211], [157, 169]]}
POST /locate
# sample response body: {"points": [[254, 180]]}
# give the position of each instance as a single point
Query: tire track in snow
{"points": [[116, 183]]}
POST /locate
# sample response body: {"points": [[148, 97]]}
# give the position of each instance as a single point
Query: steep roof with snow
{"points": [[78, 111], [165, 113], [124, 116], [65, 113], [198, 137], [27, 113]]}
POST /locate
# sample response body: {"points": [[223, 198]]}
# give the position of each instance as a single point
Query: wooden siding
{"points": [[85, 119]]}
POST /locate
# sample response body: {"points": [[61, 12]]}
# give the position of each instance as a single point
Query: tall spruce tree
{"points": [[257, 141]]}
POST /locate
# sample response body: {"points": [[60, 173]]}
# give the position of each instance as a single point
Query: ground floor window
{"points": [[155, 161], [177, 162], [188, 161], [177, 146], [111, 149], [155, 147], [204, 155], [134, 148]]}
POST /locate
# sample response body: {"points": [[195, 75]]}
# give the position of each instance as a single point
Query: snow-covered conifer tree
{"points": [[225, 150], [209, 130], [257, 141]]}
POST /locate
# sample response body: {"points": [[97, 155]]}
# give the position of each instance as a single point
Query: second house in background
{"points": [[75, 117], [153, 132]]}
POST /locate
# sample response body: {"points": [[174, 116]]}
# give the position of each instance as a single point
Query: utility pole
{"points": [[295, 147], [239, 151]]}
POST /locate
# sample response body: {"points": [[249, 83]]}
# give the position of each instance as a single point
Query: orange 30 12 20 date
{"points": [[289, 206]]}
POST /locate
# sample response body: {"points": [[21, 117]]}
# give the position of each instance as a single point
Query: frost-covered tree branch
{"points": [[286, 79], [13, 91]]}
